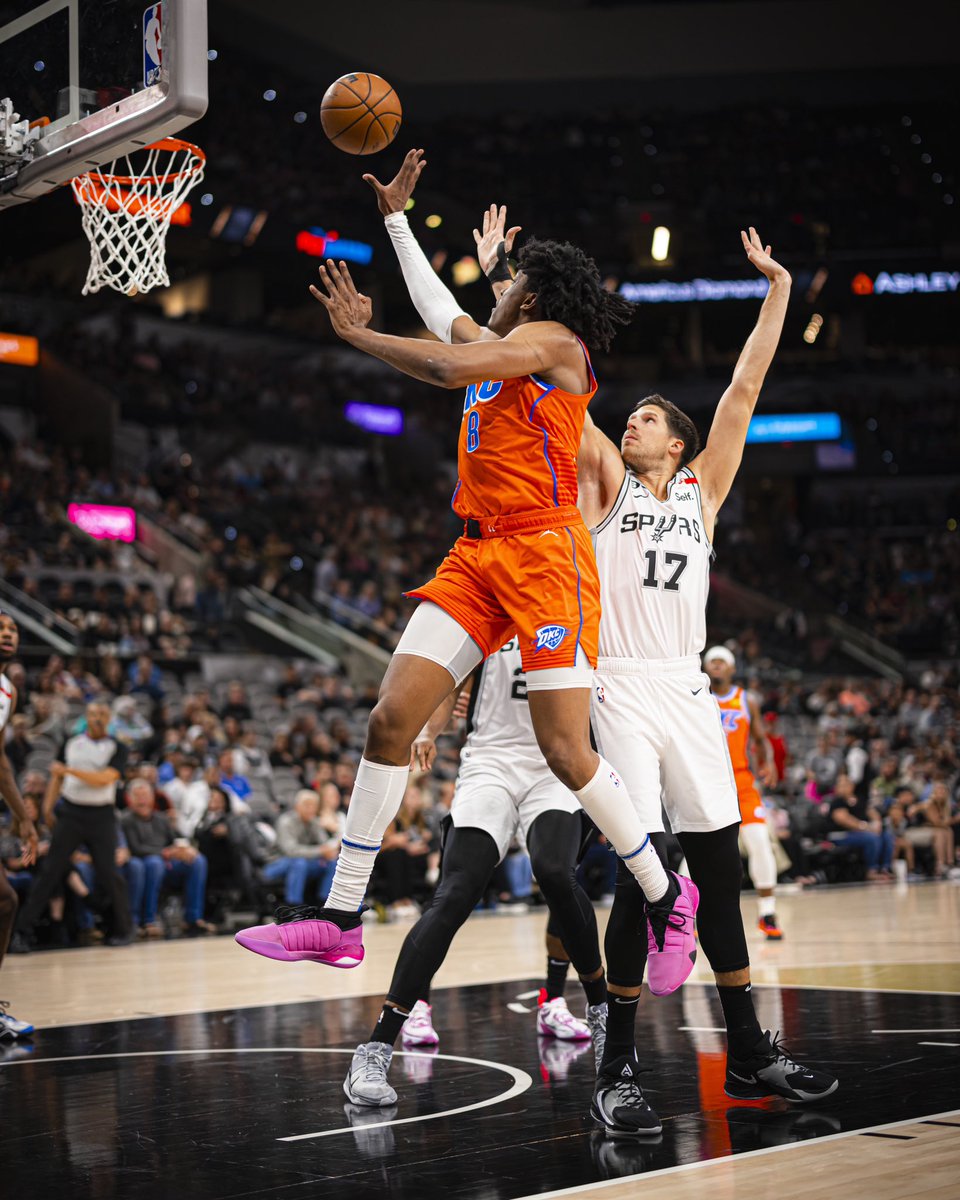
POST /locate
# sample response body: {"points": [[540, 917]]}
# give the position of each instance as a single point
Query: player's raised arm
{"points": [[493, 247], [600, 473], [534, 348], [716, 466], [432, 299]]}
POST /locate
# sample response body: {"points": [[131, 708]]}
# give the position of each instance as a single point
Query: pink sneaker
{"points": [[671, 945], [418, 1028], [305, 938]]}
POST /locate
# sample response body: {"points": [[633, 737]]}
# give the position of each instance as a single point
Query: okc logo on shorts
{"points": [[549, 637]]}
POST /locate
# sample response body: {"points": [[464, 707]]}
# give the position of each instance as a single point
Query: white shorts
{"points": [[496, 793], [657, 723]]}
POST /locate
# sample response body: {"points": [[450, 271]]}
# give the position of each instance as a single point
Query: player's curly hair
{"points": [[569, 290]]}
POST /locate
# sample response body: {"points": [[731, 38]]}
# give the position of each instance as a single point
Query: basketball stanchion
{"points": [[127, 212]]}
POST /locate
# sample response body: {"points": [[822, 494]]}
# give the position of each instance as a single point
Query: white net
{"points": [[127, 212]]}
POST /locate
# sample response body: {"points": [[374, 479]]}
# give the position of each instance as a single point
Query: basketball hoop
{"points": [[126, 216]]}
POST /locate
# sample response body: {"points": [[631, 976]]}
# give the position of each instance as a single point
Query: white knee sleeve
{"points": [[432, 633]]}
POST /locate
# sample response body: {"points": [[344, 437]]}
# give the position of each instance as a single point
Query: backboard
{"points": [[95, 79]]}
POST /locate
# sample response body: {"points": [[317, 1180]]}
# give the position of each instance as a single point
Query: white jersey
{"points": [[6, 701], [499, 717], [653, 558]]}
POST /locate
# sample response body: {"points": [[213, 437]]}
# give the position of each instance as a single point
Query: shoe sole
{"points": [[621, 1134], [764, 1094], [564, 1037], [435, 1041], [277, 952], [362, 1103]]}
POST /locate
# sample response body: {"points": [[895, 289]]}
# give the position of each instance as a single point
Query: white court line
{"points": [[521, 1080], [938, 1043], [733, 1159], [915, 1030], [703, 1028]]}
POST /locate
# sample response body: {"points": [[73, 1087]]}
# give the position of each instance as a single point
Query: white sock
{"points": [[767, 906], [605, 801], [374, 803]]}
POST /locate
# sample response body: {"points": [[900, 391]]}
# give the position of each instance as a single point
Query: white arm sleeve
{"points": [[432, 299]]}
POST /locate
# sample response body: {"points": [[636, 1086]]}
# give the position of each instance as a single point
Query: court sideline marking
{"points": [[733, 1159]]}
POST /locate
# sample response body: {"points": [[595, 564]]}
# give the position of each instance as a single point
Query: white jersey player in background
{"points": [[652, 506], [503, 783]]}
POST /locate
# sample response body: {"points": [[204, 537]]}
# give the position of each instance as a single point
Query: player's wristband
{"points": [[500, 271]]}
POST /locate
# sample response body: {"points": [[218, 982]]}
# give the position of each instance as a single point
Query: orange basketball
{"points": [[360, 113]]}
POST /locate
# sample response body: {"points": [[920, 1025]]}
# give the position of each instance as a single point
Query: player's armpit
{"points": [[521, 352]]}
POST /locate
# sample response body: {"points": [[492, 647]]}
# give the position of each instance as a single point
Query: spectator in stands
{"points": [[859, 826], [167, 859], [307, 847], [232, 844], [128, 725], [237, 705], [280, 753], [885, 785], [19, 746], [188, 794], [144, 676], [896, 821], [230, 778], [935, 822], [825, 763], [778, 744]]}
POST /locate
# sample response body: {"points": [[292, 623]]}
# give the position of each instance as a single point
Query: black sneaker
{"points": [[770, 1072], [21, 943], [618, 1104]]}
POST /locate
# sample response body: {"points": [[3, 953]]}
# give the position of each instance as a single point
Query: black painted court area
{"points": [[109, 1110]]}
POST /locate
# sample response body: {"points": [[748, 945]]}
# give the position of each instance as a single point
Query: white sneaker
{"points": [[10, 1027], [366, 1081], [554, 1019], [418, 1028]]}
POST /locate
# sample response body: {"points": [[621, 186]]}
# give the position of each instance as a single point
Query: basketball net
{"points": [[126, 214]]}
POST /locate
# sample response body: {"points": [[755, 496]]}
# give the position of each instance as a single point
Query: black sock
{"points": [[740, 1017], [341, 917], [387, 1029], [556, 976], [595, 989], [621, 1027]]}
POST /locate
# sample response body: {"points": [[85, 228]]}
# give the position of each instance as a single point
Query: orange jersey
{"points": [[735, 716], [518, 448]]}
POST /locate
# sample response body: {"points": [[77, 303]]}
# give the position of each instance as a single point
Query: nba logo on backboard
{"points": [[152, 44]]}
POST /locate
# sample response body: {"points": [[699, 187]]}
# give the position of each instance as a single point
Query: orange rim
{"points": [[173, 146]]}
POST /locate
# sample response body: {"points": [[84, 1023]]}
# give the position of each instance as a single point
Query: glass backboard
{"points": [[96, 79]]}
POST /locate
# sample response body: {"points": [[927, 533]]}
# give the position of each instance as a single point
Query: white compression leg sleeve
{"points": [[760, 860], [606, 803], [375, 802], [431, 298]]}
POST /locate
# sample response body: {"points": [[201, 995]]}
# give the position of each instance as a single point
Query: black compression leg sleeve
{"points": [[469, 857], [553, 842], [625, 944], [714, 863]]}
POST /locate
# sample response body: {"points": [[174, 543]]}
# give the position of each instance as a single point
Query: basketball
{"points": [[360, 113]]}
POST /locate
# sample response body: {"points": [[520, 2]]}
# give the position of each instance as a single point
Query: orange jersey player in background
{"points": [[744, 728], [524, 566]]}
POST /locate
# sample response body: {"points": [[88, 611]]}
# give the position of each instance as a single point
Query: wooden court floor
{"points": [[867, 980]]}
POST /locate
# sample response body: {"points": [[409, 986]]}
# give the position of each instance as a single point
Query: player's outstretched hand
{"points": [[348, 308], [761, 258], [494, 232], [393, 196]]}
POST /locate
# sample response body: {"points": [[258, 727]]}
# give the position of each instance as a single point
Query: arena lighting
{"points": [[19, 348], [466, 270], [902, 283], [104, 521], [239, 224], [793, 427], [661, 244], [375, 418], [667, 292], [434, 221], [323, 243]]}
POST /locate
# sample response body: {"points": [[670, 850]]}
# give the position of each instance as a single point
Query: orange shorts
{"points": [[752, 811], [540, 585]]}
